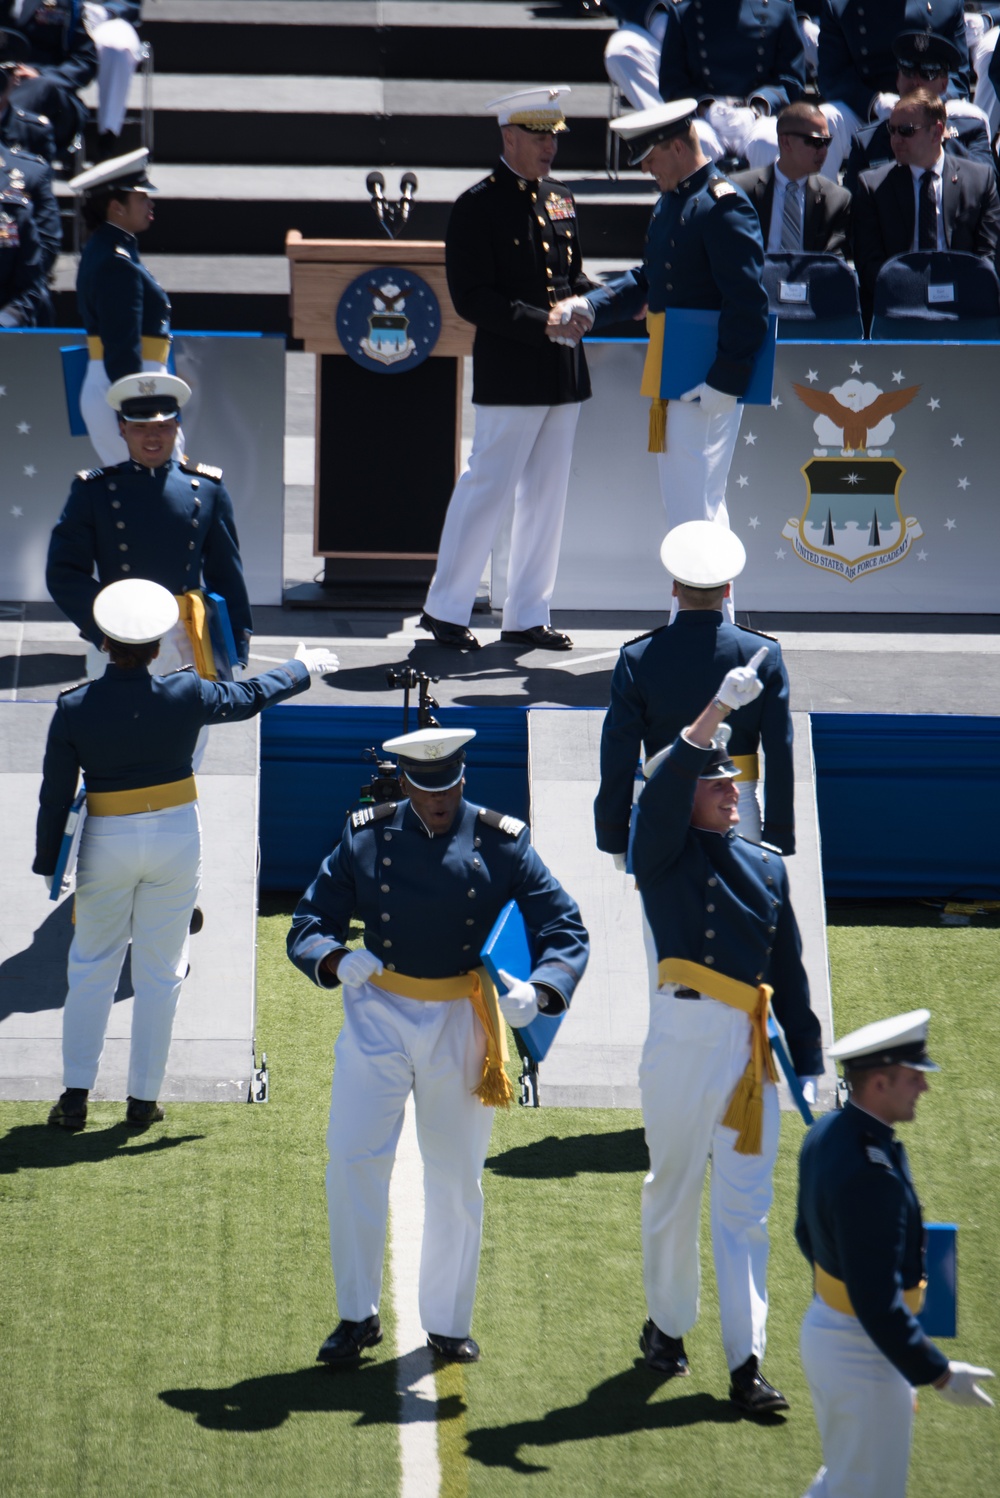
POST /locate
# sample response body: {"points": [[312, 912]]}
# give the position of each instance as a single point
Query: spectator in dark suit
{"points": [[798, 208], [925, 200]]}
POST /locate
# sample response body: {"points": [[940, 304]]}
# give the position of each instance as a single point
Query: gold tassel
{"points": [[658, 426], [494, 1091], [745, 1113]]}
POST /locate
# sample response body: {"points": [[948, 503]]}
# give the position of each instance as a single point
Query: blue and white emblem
{"points": [[388, 320]]}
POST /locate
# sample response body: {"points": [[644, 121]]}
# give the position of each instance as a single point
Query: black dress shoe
{"points": [[750, 1391], [454, 636], [541, 637], [197, 920], [344, 1345], [70, 1112], [662, 1353], [454, 1349], [140, 1112]]}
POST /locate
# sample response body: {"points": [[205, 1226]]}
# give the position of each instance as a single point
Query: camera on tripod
{"points": [[384, 785]]}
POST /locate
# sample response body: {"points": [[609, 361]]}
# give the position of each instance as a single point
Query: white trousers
{"points": [[985, 94], [732, 129], [389, 1047], [632, 60], [520, 454], [102, 422], [695, 467], [137, 880], [695, 1054], [118, 52], [863, 1407]]}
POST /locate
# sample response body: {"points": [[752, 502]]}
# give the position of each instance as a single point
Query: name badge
{"points": [[793, 291], [943, 292]]}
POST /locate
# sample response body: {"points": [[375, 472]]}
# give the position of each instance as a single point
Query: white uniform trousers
{"points": [[519, 453], [137, 880], [389, 1046], [985, 94], [632, 61], [695, 1054], [118, 52], [695, 468], [731, 129], [863, 1407], [102, 422]]}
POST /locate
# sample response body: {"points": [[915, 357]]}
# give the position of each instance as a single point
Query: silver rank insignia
{"points": [[877, 1156]]}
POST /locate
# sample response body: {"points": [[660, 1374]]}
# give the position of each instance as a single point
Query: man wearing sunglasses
{"points": [[798, 208], [924, 200], [923, 61]]}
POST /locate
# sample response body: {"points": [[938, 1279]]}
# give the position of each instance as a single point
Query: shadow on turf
{"points": [[40, 1147], [578, 1154], [617, 1407], [368, 1391]]}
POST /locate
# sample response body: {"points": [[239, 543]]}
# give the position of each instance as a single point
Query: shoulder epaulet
{"points": [[720, 188], [15, 196], [876, 1155], [121, 249], [489, 181], [749, 630], [27, 155], [369, 814], [77, 685], [513, 826], [204, 469], [647, 636], [769, 847], [87, 475]]}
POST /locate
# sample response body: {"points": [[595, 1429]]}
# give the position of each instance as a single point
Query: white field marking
{"points": [[418, 1448]]}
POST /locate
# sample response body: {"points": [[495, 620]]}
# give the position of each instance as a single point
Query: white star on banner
{"points": [[743, 481], [963, 483], [753, 522], [852, 478], [921, 556], [934, 404], [812, 376], [856, 367], [24, 427], [30, 470], [897, 377], [957, 441], [949, 525], [776, 402], [16, 511], [780, 553], [750, 439]]}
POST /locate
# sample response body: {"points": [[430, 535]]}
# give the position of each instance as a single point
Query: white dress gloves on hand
{"points": [[48, 881], [575, 307], [519, 1005], [742, 684], [318, 662], [808, 1085], [962, 1387], [713, 402], [357, 967], [620, 862]]}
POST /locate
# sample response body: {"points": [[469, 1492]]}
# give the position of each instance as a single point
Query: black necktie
{"points": [[927, 238]]}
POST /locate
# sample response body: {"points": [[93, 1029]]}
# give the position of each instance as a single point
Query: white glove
{"points": [[882, 106], [48, 882], [962, 1388], [742, 684], [318, 662], [578, 306], [519, 1005], [808, 1085], [620, 862], [713, 402], [357, 967], [240, 670]]}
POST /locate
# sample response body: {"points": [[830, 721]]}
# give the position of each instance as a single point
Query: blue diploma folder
{"points": [[784, 1061], [939, 1317], [220, 632], [74, 366], [690, 343], [70, 845], [507, 947]]}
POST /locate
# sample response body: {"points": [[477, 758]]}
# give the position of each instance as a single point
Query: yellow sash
{"points": [[745, 1112], [833, 1292], [194, 618], [156, 350], [494, 1090], [146, 798], [748, 766], [651, 373]]}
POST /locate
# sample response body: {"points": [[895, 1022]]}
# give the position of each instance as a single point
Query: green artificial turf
{"points": [[163, 1295]]}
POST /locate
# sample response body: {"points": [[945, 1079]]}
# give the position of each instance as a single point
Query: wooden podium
{"points": [[387, 444]]}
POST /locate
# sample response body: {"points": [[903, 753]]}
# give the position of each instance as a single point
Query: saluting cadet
{"points": [[726, 940], [661, 680], [59, 58], [20, 127], [428, 877], [151, 517], [133, 735], [703, 250], [124, 309], [859, 1225], [512, 251], [22, 275]]}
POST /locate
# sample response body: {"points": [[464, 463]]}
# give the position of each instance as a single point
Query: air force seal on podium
{"points": [[388, 320]]}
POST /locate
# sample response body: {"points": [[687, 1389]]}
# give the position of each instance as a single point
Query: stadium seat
{"points": [[931, 294], [812, 296]]}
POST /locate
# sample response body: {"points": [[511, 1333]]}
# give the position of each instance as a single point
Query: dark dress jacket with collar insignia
{"points": [[733, 49], [23, 291], [856, 57], [173, 525], [964, 137], [512, 251], [428, 902], [859, 1219], [32, 175], [33, 132], [128, 729], [61, 51], [703, 250], [661, 682], [119, 300], [715, 899]]}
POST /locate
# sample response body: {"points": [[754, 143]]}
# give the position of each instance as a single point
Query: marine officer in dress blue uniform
{"points": [[132, 735], [662, 678], [20, 127], [857, 64], [427, 877], [124, 309], [151, 517], [703, 250], [60, 59], [726, 940], [860, 1227], [511, 252], [22, 276]]}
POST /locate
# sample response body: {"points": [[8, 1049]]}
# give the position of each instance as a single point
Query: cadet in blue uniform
{"points": [[150, 517], [427, 877], [59, 60], [725, 937], [662, 679], [703, 250], [512, 251], [741, 59], [132, 735], [22, 277], [29, 174], [859, 1225], [122, 306], [20, 127], [857, 64]]}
